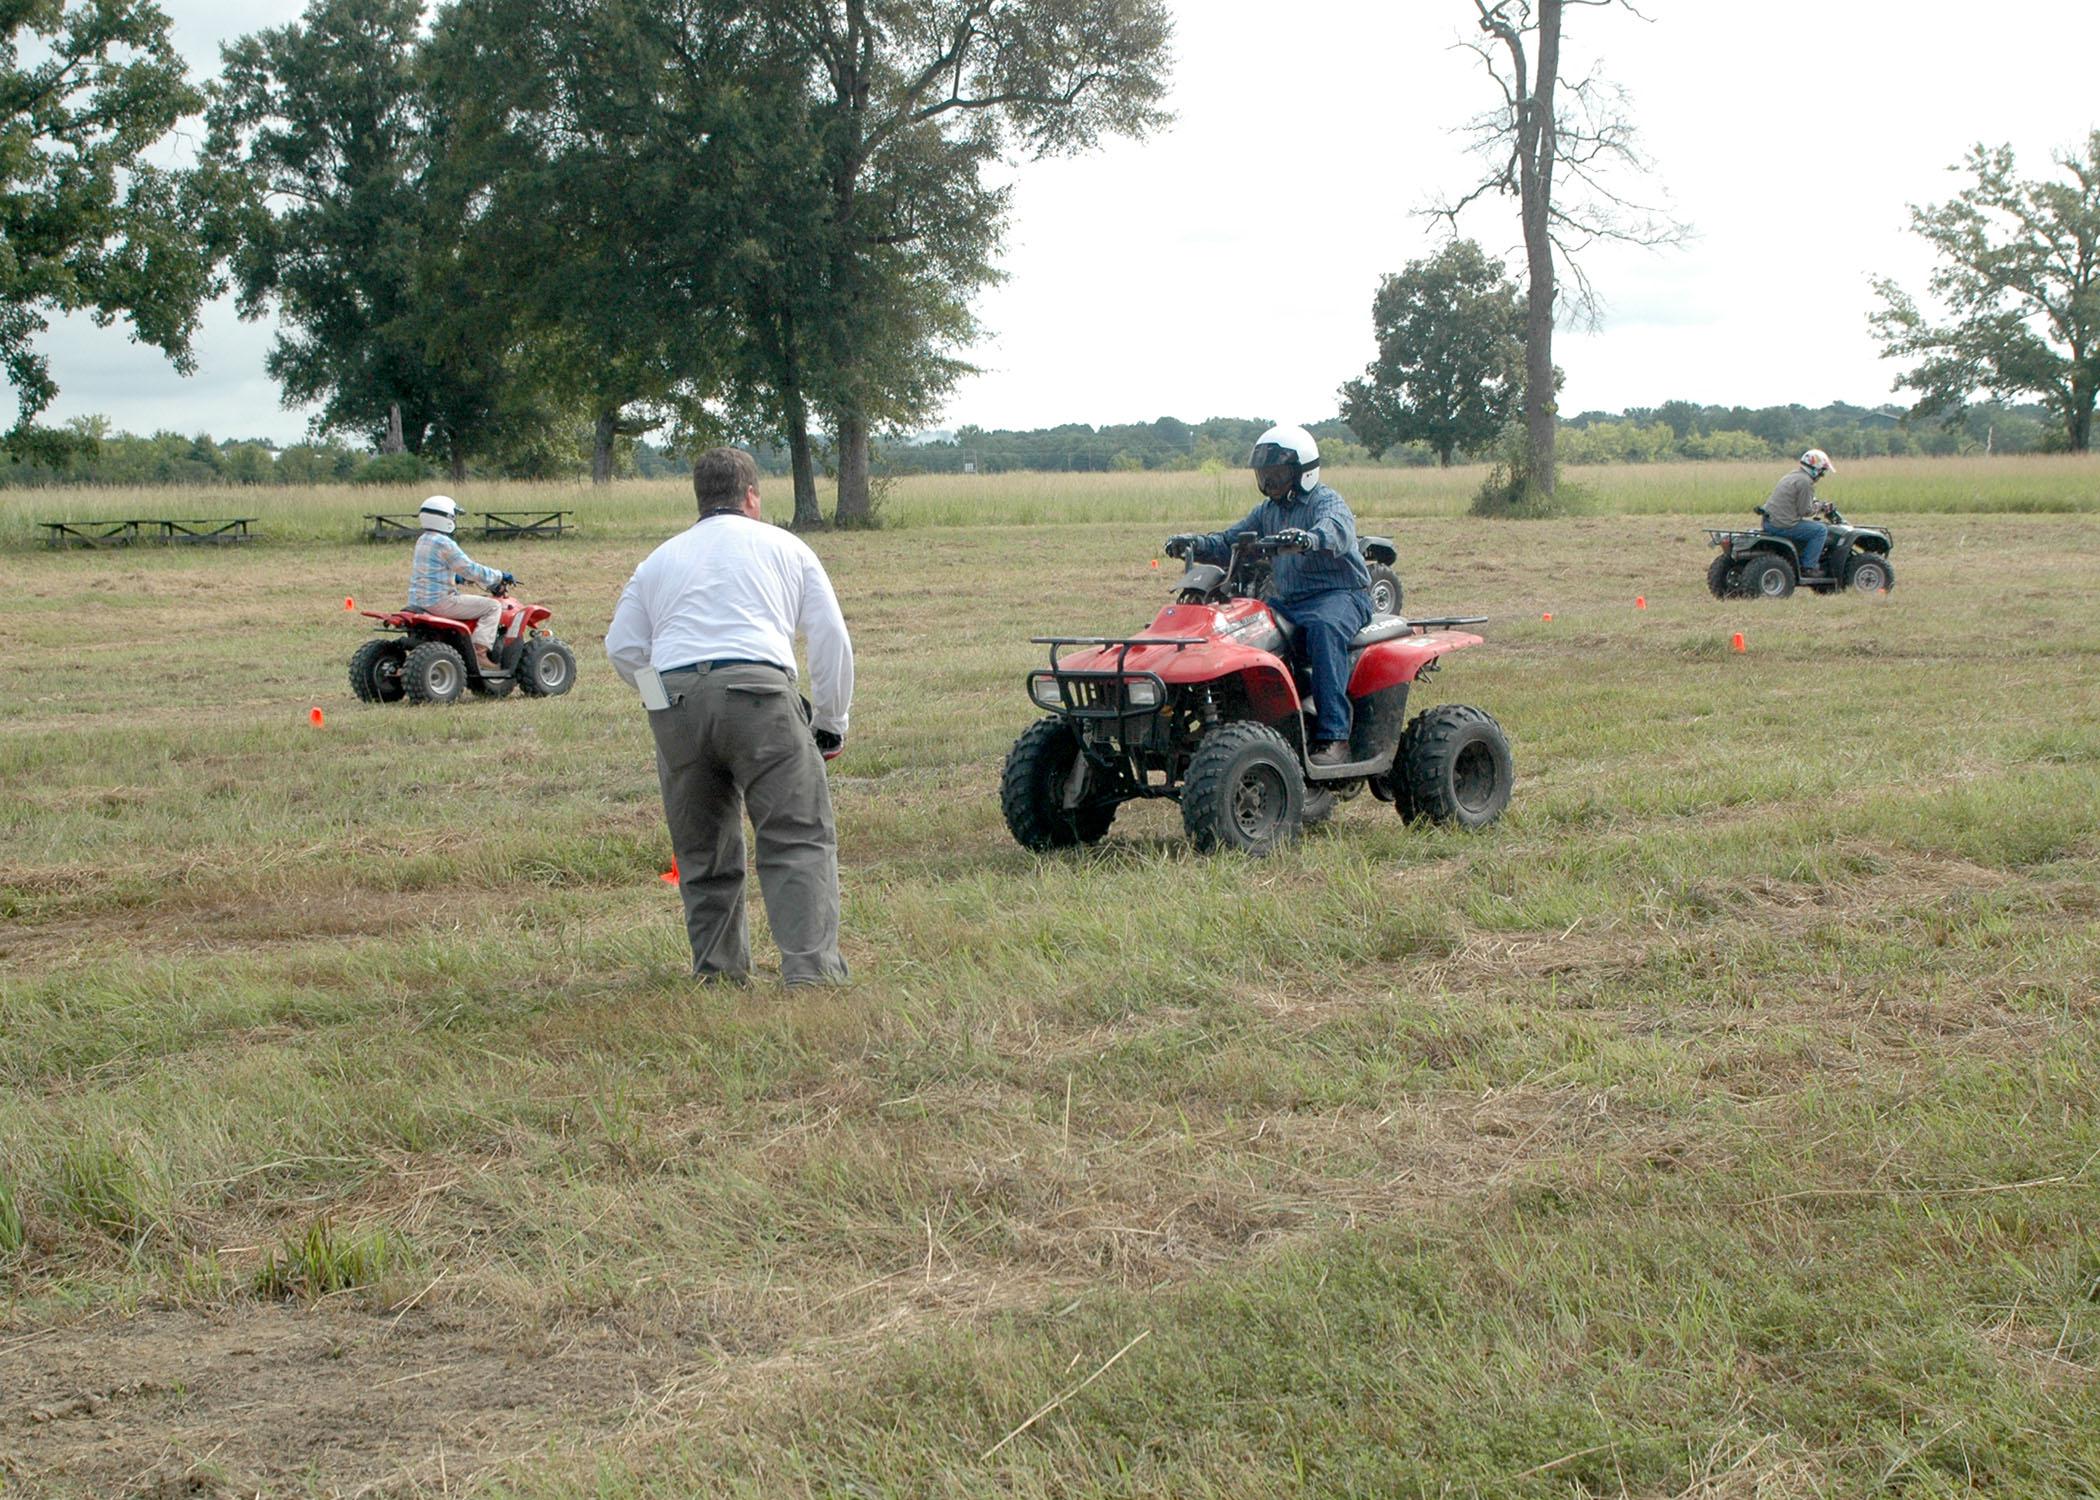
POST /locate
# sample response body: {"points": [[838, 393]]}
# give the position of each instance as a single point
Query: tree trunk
{"points": [[856, 506], [807, 515], [458, 464], [1536, 149], [603, 431], [392, 442]]}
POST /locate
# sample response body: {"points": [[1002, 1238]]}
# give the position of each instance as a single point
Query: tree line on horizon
{"points": [[1675, 431]]}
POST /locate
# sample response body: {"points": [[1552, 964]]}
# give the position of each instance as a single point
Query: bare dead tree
{"points": [[1548, 133]]}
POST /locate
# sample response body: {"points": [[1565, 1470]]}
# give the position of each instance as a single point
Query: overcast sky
{"points": [[1226, 267]]}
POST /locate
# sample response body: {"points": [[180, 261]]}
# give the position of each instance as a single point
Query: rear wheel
{"points": [[1768, 576], [1454, 767], [546, 668], [1385, 589], [1244, 791], [434, 673], [1720, 579], [375, 672], [1044, 774], [1870, 573]]}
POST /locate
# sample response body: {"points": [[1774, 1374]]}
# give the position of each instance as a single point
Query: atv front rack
{"points": [[1106, 692]]}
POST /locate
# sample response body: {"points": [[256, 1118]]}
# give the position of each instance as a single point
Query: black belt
{"points": [[724, 661]]}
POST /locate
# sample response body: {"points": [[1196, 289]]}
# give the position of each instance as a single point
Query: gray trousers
{"points": [[734, 738]]}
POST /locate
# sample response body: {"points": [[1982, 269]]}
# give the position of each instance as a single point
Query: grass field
{"points": [[644, 508], [1725, 1122]]}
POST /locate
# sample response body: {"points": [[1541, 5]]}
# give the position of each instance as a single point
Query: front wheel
{"points": [[1768, 576], [434, 673], [1454, 767], [1385, 589], [1870, 573], [1244, 791], [546, 668], [1045, 777]]}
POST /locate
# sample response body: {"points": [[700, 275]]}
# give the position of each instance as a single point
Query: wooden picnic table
{"points": [[194, 530], [500, 524]]}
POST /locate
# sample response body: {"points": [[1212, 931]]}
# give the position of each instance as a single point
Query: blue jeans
{"points": [[1326, 622], [1809, 536]]}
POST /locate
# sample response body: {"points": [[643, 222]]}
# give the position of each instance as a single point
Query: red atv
{"points": [[432, 660], [1206, 709]]}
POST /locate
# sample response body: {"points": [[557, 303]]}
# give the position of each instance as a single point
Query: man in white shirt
{"points": [[715, 612]]}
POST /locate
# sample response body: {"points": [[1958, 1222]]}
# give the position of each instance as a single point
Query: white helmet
{"points": [[1292, 446], [437, 513], [1817, 462]]}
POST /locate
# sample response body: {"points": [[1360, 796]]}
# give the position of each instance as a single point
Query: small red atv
{"points": [[1205, 708], [432, 659]]}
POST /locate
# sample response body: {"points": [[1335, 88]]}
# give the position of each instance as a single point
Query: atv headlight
{"points": [[1043, 689], [1141, 692]]}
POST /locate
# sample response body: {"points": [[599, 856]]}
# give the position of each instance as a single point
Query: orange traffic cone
{"points": [[313, 717], [670, 876], [1155, 565], [349, 604], [1640, 601], [1547, 617], [1737, 642]]}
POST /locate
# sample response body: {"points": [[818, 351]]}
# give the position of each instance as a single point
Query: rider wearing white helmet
{"points": [[1321, 585], [440, 565], [1790, 509]]}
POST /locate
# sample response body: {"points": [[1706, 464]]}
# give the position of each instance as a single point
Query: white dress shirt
{"points": [[728, 587]]}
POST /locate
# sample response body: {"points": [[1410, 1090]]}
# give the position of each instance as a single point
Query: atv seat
{"points": [[1383, 628]]}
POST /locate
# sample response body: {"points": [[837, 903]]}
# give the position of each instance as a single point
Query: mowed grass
{"points": [[1724, 1122]]}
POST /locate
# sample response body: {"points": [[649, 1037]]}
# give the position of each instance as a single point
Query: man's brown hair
{"points": [[720, 477]]}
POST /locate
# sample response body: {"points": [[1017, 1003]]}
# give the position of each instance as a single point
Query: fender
{"points": [[1271, 691], [1403, 660]]}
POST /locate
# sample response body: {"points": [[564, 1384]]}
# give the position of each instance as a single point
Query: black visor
{"points": [[1271, 456]]}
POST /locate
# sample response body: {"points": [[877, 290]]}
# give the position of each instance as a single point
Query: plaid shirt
{"points": [[438, 560]]}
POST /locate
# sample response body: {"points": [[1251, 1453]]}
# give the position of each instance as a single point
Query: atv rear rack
{"points": [[1446, 621]]}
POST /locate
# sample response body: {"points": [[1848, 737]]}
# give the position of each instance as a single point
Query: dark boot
{"points": [[1331, 753]]}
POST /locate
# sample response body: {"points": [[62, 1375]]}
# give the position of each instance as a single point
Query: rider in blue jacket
{"points": [[1320, 582]]}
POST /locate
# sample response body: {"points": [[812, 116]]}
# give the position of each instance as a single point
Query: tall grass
{"points": [[636, 508]]}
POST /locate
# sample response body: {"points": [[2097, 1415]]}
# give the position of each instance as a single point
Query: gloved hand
{"points": [[1182, 544], [829, 745], [1296, 539], [510, 578]]}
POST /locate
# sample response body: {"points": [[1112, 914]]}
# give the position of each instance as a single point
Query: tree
{"points": [[2020, 276], [86, 221], [1450, 356], [598, 142], [919, 91], [1547, 125], [359, 234]]}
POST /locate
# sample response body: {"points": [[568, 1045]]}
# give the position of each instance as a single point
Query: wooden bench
{"points": [[393, 528], [193, 530], [500, 524], [525, 523]]}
